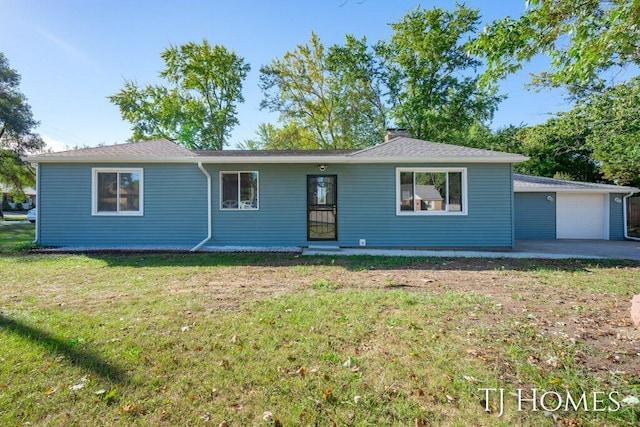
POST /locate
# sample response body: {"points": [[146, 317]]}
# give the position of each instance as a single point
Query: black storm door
{"points": [[322, 207]]}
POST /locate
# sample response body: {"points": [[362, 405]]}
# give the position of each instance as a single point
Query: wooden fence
{"points": [[633, 211]]}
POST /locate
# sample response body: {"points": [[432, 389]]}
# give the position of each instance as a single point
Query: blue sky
{"points": [[73, 54]]}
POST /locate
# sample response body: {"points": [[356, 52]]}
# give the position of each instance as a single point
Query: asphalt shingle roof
{"points": [[528, 182], [151, 148], [415, 148], [398, 149], [270, 153]]}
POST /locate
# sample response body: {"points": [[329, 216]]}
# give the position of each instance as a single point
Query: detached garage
{"points": [[547, 208]]}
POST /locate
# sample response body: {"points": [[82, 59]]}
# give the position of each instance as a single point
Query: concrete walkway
{"points": [[532, 249]]}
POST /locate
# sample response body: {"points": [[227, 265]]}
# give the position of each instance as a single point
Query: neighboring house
{"points": [[156, 193], [547, 208], [403, 193], [27, 202]]}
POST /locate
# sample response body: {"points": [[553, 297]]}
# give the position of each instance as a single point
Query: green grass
{"points": [[16, 237], [263, 339]]}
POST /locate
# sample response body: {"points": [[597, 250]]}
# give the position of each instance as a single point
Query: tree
{"points": [[613, 122], [558, 149], [333, 94], [583, 39], [431, 78], [16, 131], [289, 137], [197, 105]]}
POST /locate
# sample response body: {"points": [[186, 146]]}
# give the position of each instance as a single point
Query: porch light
{"points": [[617, 200], [549, 198], [322, 168]]}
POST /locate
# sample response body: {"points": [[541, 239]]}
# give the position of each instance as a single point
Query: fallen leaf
{"points": [[302, 371], [51, 390], [327, 394], [267, 416], [470, 378], [76, 387], [185, 328], [100, 392], [420, 422], [129, 408]]}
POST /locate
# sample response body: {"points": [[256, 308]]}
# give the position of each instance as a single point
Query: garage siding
{"points": [[616, 217], [535, 216]]}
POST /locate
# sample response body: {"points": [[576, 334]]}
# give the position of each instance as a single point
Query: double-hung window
{"points": [[431, 191], [117, 191], [239, 190]]}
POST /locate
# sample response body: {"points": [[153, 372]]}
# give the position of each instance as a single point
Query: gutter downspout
{"points": [[37, 234], [625, 219], [209, 228]]}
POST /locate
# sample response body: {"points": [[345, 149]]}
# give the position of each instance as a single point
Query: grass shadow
{"points": [[84, 359], [352, 263]]}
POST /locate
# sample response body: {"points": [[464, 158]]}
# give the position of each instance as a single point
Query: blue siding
{"points": [[366, 209], [175, 208], [616, 218], [535, 216]]}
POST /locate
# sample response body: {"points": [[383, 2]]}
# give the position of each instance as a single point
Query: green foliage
{"points": [[582, 39], [558, 149], [16, 131], [197, 105], [431, 79], [288, 137], [333, 95]]}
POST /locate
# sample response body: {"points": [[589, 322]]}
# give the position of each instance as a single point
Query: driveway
{"points": [[532, 249], [13, 215], [596, 248]]}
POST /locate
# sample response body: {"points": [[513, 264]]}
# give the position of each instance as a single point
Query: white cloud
{"points": [[68, 48], [55, 145]]}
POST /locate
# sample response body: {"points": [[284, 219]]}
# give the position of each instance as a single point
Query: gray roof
{"points": [[155, 148], [405, 147], [529, 183], [271, 153], [28, 191], [424, 192], [400, 150]]}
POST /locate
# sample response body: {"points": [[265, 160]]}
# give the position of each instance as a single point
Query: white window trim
{"points": [[94, 191], [220, 193], [465, 204]]}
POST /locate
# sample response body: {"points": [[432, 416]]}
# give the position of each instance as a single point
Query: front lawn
{"points": [[184, 339], [16, 237]]}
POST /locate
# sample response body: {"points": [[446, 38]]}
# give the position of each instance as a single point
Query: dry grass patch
{"points": [[180, 339]]}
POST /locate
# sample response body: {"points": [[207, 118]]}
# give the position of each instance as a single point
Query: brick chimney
{"points": [[395, 132]]}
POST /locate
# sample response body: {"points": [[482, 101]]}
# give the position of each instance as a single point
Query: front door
{"points": [[322, 207]]}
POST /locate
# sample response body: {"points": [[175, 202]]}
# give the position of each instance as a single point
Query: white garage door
{"points": [[581, 216]]}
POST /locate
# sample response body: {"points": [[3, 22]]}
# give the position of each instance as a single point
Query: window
{"points": [[238, 190], [431, 191], [117, 191]]}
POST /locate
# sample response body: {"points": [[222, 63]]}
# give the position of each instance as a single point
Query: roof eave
{"points": [[109, 159], [550, 189], [272, 159], [441, 159]]}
